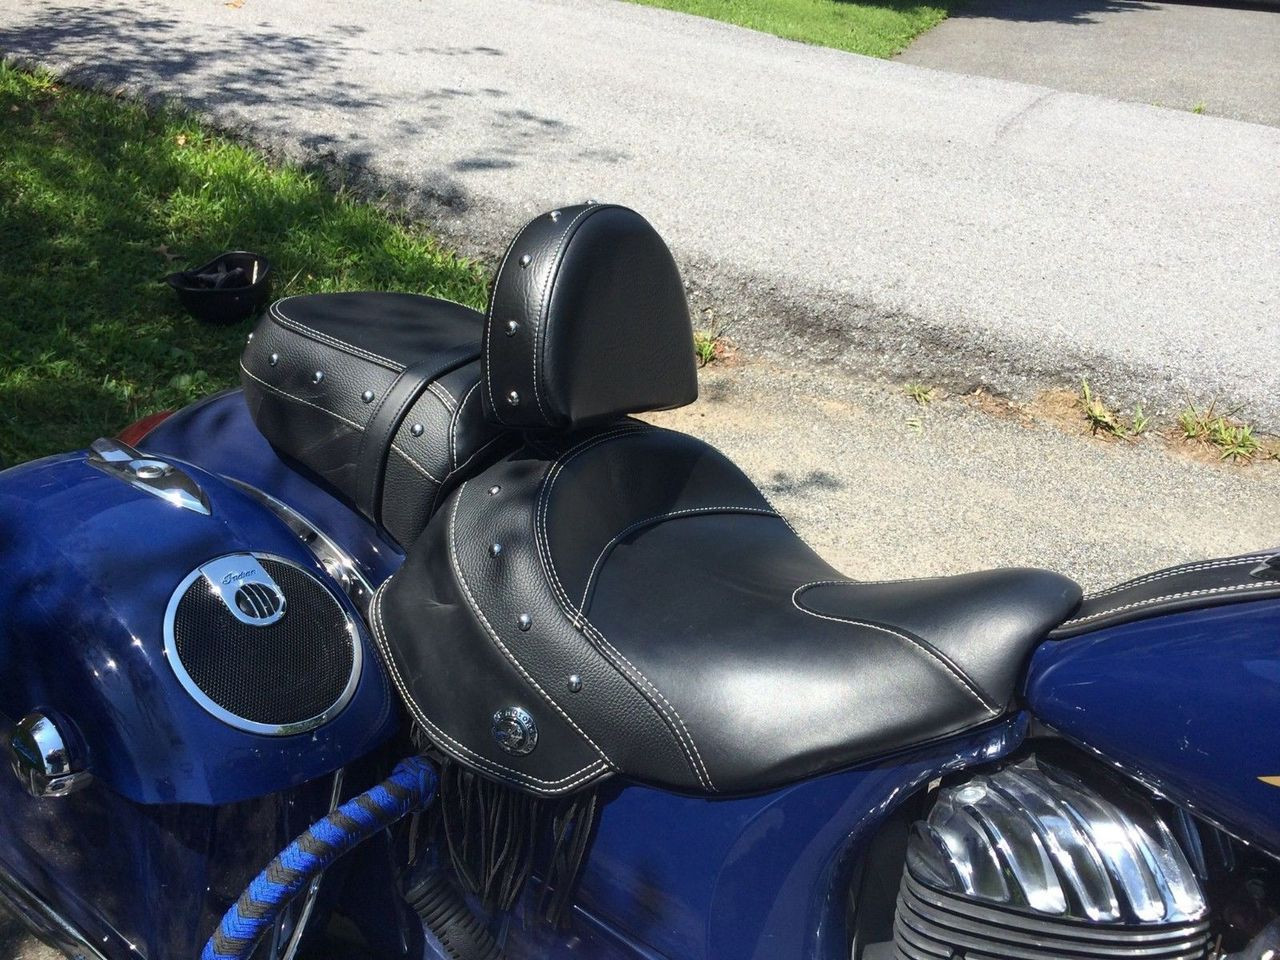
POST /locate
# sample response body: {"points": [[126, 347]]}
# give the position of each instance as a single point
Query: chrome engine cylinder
{"points": [[1032, 863]]}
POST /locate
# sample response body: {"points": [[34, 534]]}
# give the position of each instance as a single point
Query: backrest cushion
{"points": [[587, 322]]}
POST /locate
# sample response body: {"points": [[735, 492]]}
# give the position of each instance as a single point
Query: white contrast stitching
{"points": [[277, 314], [382, 646], [1168, 596], [965, 683], [445, 396], [475, 607], [666, 516], [416, 465], [286, 393], [1196, 567], [676, 725], [544, 308]]}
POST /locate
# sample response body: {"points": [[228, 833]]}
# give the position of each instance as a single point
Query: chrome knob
{"points": [[41, 759]]}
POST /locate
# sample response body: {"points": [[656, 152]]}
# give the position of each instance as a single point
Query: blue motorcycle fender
{"points": [[1188, 703]]}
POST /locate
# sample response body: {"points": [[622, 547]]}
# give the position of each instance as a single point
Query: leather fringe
{"points": [[492, 831]]}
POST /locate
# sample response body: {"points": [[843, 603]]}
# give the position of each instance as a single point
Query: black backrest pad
{"points": [[588, 321], [377, 394]]}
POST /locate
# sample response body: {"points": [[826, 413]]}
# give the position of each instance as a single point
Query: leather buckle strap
{"points": [[375, 447]]}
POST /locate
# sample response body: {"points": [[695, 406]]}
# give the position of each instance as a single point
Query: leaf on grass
{"points": [[168, 254]]}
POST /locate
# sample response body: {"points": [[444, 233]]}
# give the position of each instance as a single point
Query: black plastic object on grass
{"points": [[227, 289]]}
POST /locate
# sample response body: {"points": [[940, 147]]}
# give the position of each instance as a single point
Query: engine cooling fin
{"points": [[932, 925], [1034, 863]]}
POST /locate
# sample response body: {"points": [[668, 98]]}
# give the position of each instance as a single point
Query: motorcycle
{"points": [[499, 670]]}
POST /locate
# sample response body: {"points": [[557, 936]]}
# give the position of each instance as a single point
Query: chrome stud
{"points": [[554, 215], [524, 622], [317, 376], [526, 260], [512, 327], [513, 398], [575, 683], [416, 429], [495, 549], [367, 396], [250, 339], [493, 491], [273, 359]]}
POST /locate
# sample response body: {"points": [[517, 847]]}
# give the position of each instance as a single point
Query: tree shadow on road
{"points": [[1046, 11], [309, 98]]}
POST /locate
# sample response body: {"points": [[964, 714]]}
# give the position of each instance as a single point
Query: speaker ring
{"points": [[220, 712]]}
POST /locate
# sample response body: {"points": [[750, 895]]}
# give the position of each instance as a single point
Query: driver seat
{"points": [[615, 598]]}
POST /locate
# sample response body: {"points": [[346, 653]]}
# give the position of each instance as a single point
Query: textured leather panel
{"points": [[362, 344], [717, 652], [588, 321], [971, 621], [1205, 583]]}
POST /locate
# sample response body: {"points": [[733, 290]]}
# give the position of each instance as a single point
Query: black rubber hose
{"points": [[443, 911]]}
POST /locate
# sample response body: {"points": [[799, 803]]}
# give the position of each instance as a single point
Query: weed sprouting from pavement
{"points": [[1234, 439], [921, 394], [1101, 418]]}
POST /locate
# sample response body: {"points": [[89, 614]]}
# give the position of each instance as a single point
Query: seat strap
{"points": [[375, 447]]}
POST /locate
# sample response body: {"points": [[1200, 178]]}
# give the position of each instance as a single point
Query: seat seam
{"points": [[453, 425], [1168, 596], [586, 590], [493, 634], [383, 647], [413, 461], [544, 307], [677, 725], [285, 393], [952, 670], [416, 465], [445, 396], [1194, 567], [298, 327]]}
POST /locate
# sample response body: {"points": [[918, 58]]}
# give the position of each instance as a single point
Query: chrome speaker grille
{"points": [[262, 644]]}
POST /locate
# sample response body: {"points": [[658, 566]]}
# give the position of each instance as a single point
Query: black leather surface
{"points": [[390, 363], [1205, 583], [588, 321], [716, 652]]}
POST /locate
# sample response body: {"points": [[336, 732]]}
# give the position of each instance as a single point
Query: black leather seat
{"points": [[615, 598], [377, 394], [715, 651]]}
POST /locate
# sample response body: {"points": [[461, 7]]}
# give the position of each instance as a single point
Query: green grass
{"points": [[96, 195], [875, 29]]}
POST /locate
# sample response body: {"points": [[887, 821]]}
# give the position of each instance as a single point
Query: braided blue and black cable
{"points": [[411, 786]]}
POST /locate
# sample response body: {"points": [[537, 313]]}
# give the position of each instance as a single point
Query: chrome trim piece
{"points": [[245, 589], [41, 760], [156, 477], [226, 716], [44, 922], [336, 562], [1035, 838]]}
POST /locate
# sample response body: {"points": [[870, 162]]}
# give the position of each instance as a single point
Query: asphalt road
{"points": [[887, 218], [1221, 58]]}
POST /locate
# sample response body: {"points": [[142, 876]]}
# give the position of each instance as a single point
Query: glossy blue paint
{"points": [[146, 880], [218, 434], [1188, 702], [763, 877], [90, 565]]}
